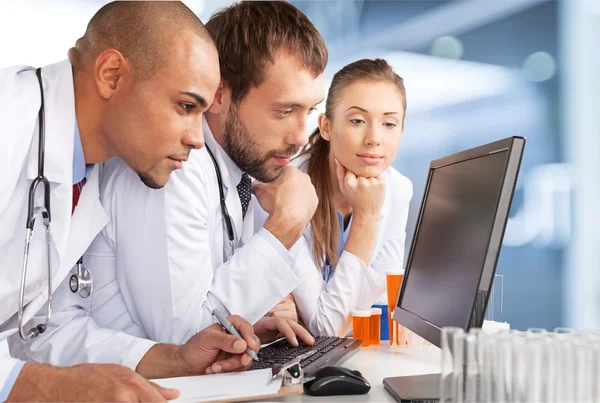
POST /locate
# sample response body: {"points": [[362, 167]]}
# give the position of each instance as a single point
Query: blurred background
{"points": [[475, 71]]}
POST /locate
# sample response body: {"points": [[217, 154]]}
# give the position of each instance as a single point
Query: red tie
{"points": [[76, 193]]}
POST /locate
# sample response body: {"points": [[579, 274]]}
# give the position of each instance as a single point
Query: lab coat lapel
{"points": [[88, 220]]}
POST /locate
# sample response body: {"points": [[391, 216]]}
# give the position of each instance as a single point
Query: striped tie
{"points": [[76, 193]]}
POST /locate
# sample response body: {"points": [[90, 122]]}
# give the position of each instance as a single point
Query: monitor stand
{"points": [[414, 388]]}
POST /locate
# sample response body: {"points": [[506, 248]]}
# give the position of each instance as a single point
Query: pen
{"points": [[228, 327]]}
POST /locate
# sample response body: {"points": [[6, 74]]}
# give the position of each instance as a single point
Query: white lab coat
{"points": [[159, 265], [71, 235], [325, 307]]}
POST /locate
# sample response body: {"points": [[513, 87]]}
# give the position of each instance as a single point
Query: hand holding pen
{"points": [[229, 328], [209, 351]]}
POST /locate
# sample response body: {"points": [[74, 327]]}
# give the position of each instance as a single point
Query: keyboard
{"points": [[330, 351]]}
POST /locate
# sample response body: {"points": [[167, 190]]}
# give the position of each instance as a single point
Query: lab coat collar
{"points": [[231, 176], [230, 172], [59, 105]]}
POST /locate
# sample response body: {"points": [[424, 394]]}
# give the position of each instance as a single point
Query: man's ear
{"points": [[222, 98], [111, 70]]}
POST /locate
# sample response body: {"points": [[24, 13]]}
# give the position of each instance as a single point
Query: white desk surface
{"points": [[378, 362]]}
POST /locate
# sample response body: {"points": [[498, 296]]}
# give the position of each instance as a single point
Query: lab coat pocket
{"points": [[109, 310], [104, 295]]}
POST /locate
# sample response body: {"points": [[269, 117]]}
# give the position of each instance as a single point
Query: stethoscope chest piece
{"points": [[81, 283]]}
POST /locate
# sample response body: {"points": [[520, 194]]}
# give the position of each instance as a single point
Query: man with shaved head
{"points": [[135, 86], [144, 73]]}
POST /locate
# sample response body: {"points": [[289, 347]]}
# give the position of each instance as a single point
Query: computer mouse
{"points": [[332, 381]]}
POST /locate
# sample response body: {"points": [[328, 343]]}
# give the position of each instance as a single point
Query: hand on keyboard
{"points": [[269, 329], [282, 352]]}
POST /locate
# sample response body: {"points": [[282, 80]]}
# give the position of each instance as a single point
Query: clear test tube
{"points": [[452, 373]]}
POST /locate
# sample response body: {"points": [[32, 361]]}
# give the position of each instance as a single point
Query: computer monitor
{"points": [[455, 247]]}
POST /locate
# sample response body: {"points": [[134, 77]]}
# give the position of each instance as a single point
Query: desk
{"points": [[378, 362]]}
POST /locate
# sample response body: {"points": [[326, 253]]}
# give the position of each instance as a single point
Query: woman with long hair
{"points": [[358, 229]]}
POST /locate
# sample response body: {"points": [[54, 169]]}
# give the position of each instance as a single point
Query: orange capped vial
{"points": [[361, 326]]}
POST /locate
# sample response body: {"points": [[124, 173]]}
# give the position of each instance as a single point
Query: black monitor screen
{"points": [[453, 237]]}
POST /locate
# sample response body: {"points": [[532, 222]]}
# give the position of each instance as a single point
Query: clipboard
{"points": [[292, 380], [281, 380]]}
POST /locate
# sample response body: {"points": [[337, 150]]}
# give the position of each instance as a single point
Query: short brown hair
{"points": [[325, 227], [249, 34]]}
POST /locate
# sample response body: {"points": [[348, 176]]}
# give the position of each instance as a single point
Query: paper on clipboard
{"points": [[233, 385]]}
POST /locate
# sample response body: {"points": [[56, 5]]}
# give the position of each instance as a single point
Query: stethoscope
{"points": [[83, 277], [82, 282], [224, 211]]}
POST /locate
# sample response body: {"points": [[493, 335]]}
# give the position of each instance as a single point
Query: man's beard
{"points": [[241, 147], [149, 180]]}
